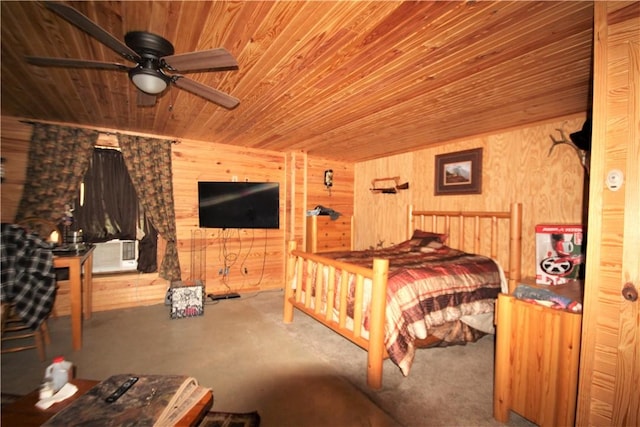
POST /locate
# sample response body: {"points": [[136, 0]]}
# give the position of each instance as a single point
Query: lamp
{"points": [[328, 178], [149, 78]]}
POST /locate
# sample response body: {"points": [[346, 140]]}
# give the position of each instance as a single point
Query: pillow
{"points": [[418, 244], [406, 246], [419, 234], [431, 247]]}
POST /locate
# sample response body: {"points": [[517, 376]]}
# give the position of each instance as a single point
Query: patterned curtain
{"points": [[149, 163], [58, 159]]}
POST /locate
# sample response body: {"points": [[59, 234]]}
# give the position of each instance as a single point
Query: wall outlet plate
{"points": [[615, 179]]}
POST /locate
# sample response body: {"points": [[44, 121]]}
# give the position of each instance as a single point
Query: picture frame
{"points": [[458, 173]]}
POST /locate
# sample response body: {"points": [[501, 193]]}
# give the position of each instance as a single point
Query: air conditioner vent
{"points": [[129, 250]]}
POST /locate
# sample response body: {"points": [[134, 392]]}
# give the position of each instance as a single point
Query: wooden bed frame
{"points": [[426, 220]]}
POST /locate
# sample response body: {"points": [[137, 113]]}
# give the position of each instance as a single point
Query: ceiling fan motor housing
{"points": [[148, 44]]}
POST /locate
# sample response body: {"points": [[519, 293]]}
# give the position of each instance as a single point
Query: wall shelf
{"points": [[388, 185]]}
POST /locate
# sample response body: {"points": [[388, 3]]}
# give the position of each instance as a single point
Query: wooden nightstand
{"points": [[326, 235], [537, 360]]}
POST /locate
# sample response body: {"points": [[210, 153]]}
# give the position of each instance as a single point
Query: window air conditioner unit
{"points": [[115, 256]]}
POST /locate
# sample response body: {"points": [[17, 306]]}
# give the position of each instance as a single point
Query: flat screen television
{"points": [[239, 204]]}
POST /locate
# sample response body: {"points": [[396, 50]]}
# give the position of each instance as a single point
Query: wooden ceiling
{"points": [[351, 80]]}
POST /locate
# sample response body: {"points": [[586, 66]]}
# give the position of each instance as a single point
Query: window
{"points": [[107, 208]]}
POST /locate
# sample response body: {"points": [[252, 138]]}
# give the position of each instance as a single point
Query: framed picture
{"points": [[459, 172]]}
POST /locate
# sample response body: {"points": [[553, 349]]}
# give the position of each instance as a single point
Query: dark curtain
{"points": [[107, 214], [148, 161], [148, 256], [111, 209], [58, 158]]}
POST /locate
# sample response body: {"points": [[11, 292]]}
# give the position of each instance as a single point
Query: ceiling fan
{"points": [[154, 58]]}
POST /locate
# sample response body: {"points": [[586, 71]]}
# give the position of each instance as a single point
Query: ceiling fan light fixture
{"points": [[149, 80]]}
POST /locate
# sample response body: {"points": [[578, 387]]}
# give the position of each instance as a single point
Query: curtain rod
{"points": [[31, 122]]}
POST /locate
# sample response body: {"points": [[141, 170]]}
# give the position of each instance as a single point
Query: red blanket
{"points": [[426, 290]]}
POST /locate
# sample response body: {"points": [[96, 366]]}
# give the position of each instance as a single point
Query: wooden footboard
{"points": [[324, 312]]}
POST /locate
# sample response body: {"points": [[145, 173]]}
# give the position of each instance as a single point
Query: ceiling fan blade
{"points": [[77, 63], [207, 92], [219, 59], [93, 29], [146, 100]]}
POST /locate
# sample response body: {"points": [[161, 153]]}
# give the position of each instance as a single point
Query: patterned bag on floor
{"points": [[186, 299]]}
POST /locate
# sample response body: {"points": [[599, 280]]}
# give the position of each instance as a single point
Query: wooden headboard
{"points": [[478, 232]]}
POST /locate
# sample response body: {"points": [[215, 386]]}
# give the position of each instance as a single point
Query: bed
{"points": [[389, 307]]}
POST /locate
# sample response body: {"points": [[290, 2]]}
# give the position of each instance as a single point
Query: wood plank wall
{"points": [[255, 257], [15, 143], [517, 167], [309, 191]]}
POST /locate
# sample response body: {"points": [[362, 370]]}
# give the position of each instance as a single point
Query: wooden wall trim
{"points": [[610, 363], [595, 199]]}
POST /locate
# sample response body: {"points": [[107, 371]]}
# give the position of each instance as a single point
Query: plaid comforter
{"points": [[426, 291], [28, 277]]}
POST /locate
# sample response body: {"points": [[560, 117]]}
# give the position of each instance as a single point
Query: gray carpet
{"points": [[300, 374]]}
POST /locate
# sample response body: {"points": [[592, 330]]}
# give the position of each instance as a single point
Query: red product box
{"points": [[559, 253]]}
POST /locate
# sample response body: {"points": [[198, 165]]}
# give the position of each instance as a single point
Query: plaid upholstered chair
{"points": [[28, 290], [17, 336]]}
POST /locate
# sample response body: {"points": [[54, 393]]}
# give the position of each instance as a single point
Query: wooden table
{"points": [[80, 288], [23, 412]]}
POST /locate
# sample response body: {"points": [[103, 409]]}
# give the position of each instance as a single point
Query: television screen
{"points": [[239, 204]]}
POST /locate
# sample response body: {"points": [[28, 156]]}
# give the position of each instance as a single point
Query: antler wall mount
{"points": [[582, 154]]}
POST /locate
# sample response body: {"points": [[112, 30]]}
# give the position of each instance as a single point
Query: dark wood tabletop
{"points": [[23, 412]]}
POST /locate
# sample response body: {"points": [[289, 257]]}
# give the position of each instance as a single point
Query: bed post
{"points": [[290, 267], [409, 221], [502, 378], [515, 246], [375, 354]]}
